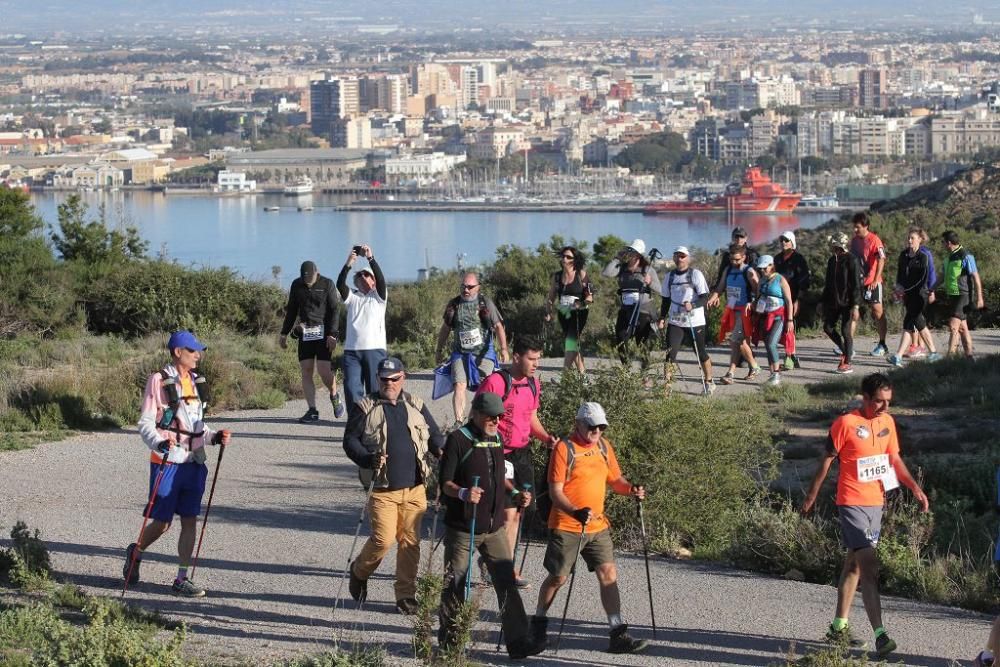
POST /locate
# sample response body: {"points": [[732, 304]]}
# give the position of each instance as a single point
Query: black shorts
{"points": [[873, 295], [314, 349], [958, 305], [524, 472]]}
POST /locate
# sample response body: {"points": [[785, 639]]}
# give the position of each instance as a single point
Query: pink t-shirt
{"points": [[515, 424]]}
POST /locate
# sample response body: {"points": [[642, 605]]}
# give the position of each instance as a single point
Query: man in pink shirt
{"points": [[521, 393]]}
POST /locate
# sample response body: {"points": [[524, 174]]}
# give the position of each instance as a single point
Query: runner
{"points": [[637, 280], [960, 278], [364, 340], [521, 393], [172, 426], [911, 288], [389, 434], [841, 299], [580, 471], [475, 451], [773, 302], [739, 284], [793, 266], [739, 237], [312, 299], [683, 310], [865, 443], [573, 293], [475, 320], [870, 251]]}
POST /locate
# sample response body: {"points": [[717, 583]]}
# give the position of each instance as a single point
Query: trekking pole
{"points": [[208, 508], [357, 532], [164, 464], [472, 544], [434, 525], [697, 355], [513, 560], [569, 591], [645, 555]]}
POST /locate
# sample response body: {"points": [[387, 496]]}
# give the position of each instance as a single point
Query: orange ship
{"points": [[757, 193]]}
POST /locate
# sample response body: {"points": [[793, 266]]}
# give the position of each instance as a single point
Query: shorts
{"points": [[860, 525], [180, 491], [597, 550], [314, 349], [458, 375], [873, 295], [958, 306], [524, 472]]}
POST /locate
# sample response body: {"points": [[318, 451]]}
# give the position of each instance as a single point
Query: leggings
{"points": [[676, 335], [572, 324], [772, 338], [842, 339], [915, 302], [643, 329]]}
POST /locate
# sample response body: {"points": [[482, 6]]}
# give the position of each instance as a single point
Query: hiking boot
{"points": [[795, 361], [753, 373], [728, 378], [884, 645], [844, 367], [789, 364], [407, 606], [311, 415], [894, 360], [622, 642], [338, 406], [844, 636], [880, 350], [522, 648], [539, 628], [187, 588], [134, 579], [358, 588], [984, 659]]}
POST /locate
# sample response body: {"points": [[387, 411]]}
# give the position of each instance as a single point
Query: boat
{"points": [[271, 209], [756, 193], [819, 201], [305, 208], [302, 186]]}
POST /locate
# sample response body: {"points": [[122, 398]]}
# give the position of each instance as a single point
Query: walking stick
{"points": [[513, 560], [357, 532], [208, 508], [645, 555], [697, 356], [164, 464], [434, 525], [472, 545], [569, 591]]}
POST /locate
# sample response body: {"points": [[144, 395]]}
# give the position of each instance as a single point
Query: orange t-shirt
{"points": [[855, 438], [587, 485]]}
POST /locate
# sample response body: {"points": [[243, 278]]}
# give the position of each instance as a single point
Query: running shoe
{"points": [[894, 360], [934, 356], [708, 389], [134, 579], [915, 352], [984, 659], [789, 363], [311, 415], [880, 350], [775, 379], [837, 351], [338, 405], [795, 361], [884, 645], [844, 367], [844, 636], [728, 378], [187, 588], [752, 373]]}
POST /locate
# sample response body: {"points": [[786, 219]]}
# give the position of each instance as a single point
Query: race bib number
{"points": [[508, 467], [470, 339], [734, 294], [630, 298], [761, 306], [875, 468], [568, 300], [312, 333]]}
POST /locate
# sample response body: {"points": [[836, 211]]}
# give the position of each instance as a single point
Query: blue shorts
{"points": [[180, 490]]}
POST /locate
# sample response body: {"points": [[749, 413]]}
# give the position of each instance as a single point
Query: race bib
{"points": [[312, 333], [508, 467], [734, 294], [630, 298], [877, 468], [470, 339], [761, 306], [568, 300]]}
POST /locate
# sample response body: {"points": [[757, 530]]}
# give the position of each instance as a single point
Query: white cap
{"points": [[592, 414], [639, 246], [682, 250], [764, 260], [790, 236]]}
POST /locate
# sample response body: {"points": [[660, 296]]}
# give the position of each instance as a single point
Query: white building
{"points": [[421, 168], [234, 181]]}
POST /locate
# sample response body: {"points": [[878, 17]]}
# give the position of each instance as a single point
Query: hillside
{"points": [[970, 198]]}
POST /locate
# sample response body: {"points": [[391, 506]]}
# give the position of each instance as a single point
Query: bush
{"points": [[26, 563]]}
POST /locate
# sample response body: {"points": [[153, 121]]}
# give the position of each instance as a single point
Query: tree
{"points": [[91, 242], [607, 248], [17, 216], [661, 152]]}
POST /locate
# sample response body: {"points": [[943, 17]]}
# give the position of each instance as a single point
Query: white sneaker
{"points": [[775, 379]]}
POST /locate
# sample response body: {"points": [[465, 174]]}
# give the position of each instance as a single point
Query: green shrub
{"points": [[428, 599], [26, 563]]}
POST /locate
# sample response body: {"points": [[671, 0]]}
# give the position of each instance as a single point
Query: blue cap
{"points": [[184, 339], [389, 367], [765, 260]]}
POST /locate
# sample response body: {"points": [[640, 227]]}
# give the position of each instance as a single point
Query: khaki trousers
{"points": [[395, 519]]}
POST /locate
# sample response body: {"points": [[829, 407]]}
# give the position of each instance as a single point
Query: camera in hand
{"points": [[359, 250]]}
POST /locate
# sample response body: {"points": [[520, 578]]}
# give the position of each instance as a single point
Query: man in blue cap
{"points": [[172, 426]]}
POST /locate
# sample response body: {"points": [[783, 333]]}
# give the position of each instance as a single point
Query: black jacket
{"points": [[912, 271], [795, 269], [463, 460], [842, 288], [312, 305]]}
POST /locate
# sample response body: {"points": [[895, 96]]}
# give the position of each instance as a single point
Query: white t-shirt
{"points": [[365, 321], [683, 287]]}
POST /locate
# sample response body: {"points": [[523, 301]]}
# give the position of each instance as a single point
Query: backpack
{"points": [[543, 501], [508, 384], [172, 387]]}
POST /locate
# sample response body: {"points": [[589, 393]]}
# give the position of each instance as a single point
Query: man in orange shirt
{"points": [[866, 444], [870, 251], [578, 481]]}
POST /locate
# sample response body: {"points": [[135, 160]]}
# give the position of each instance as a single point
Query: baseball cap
{"points": [[789, 236], [184, 339], [390, 366], [739, 231], [364, 272], [592, 414], [682, 250], [838, 240], [308, 269], [489, 404], [764, 260], [639, 246]]}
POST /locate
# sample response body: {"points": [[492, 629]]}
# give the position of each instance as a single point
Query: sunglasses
{"points": [[492, 418], [469, 287], [598, 427], [188, 349], [786, 240], [392, 380], [568, 257]]}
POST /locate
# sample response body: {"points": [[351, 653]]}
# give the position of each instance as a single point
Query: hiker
{"points": [[521, 393], [865, 443], [312, 300], [961, 277], [914, 268], [580, 470], [172, 426], [637, 280], [738, 238], [570, 295], [841, 299], [870, 251], [685, 293], [390, 434], [774, 300], [475, 321], [739, 283], [364, 339], [475, 514], [793, 266]]}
